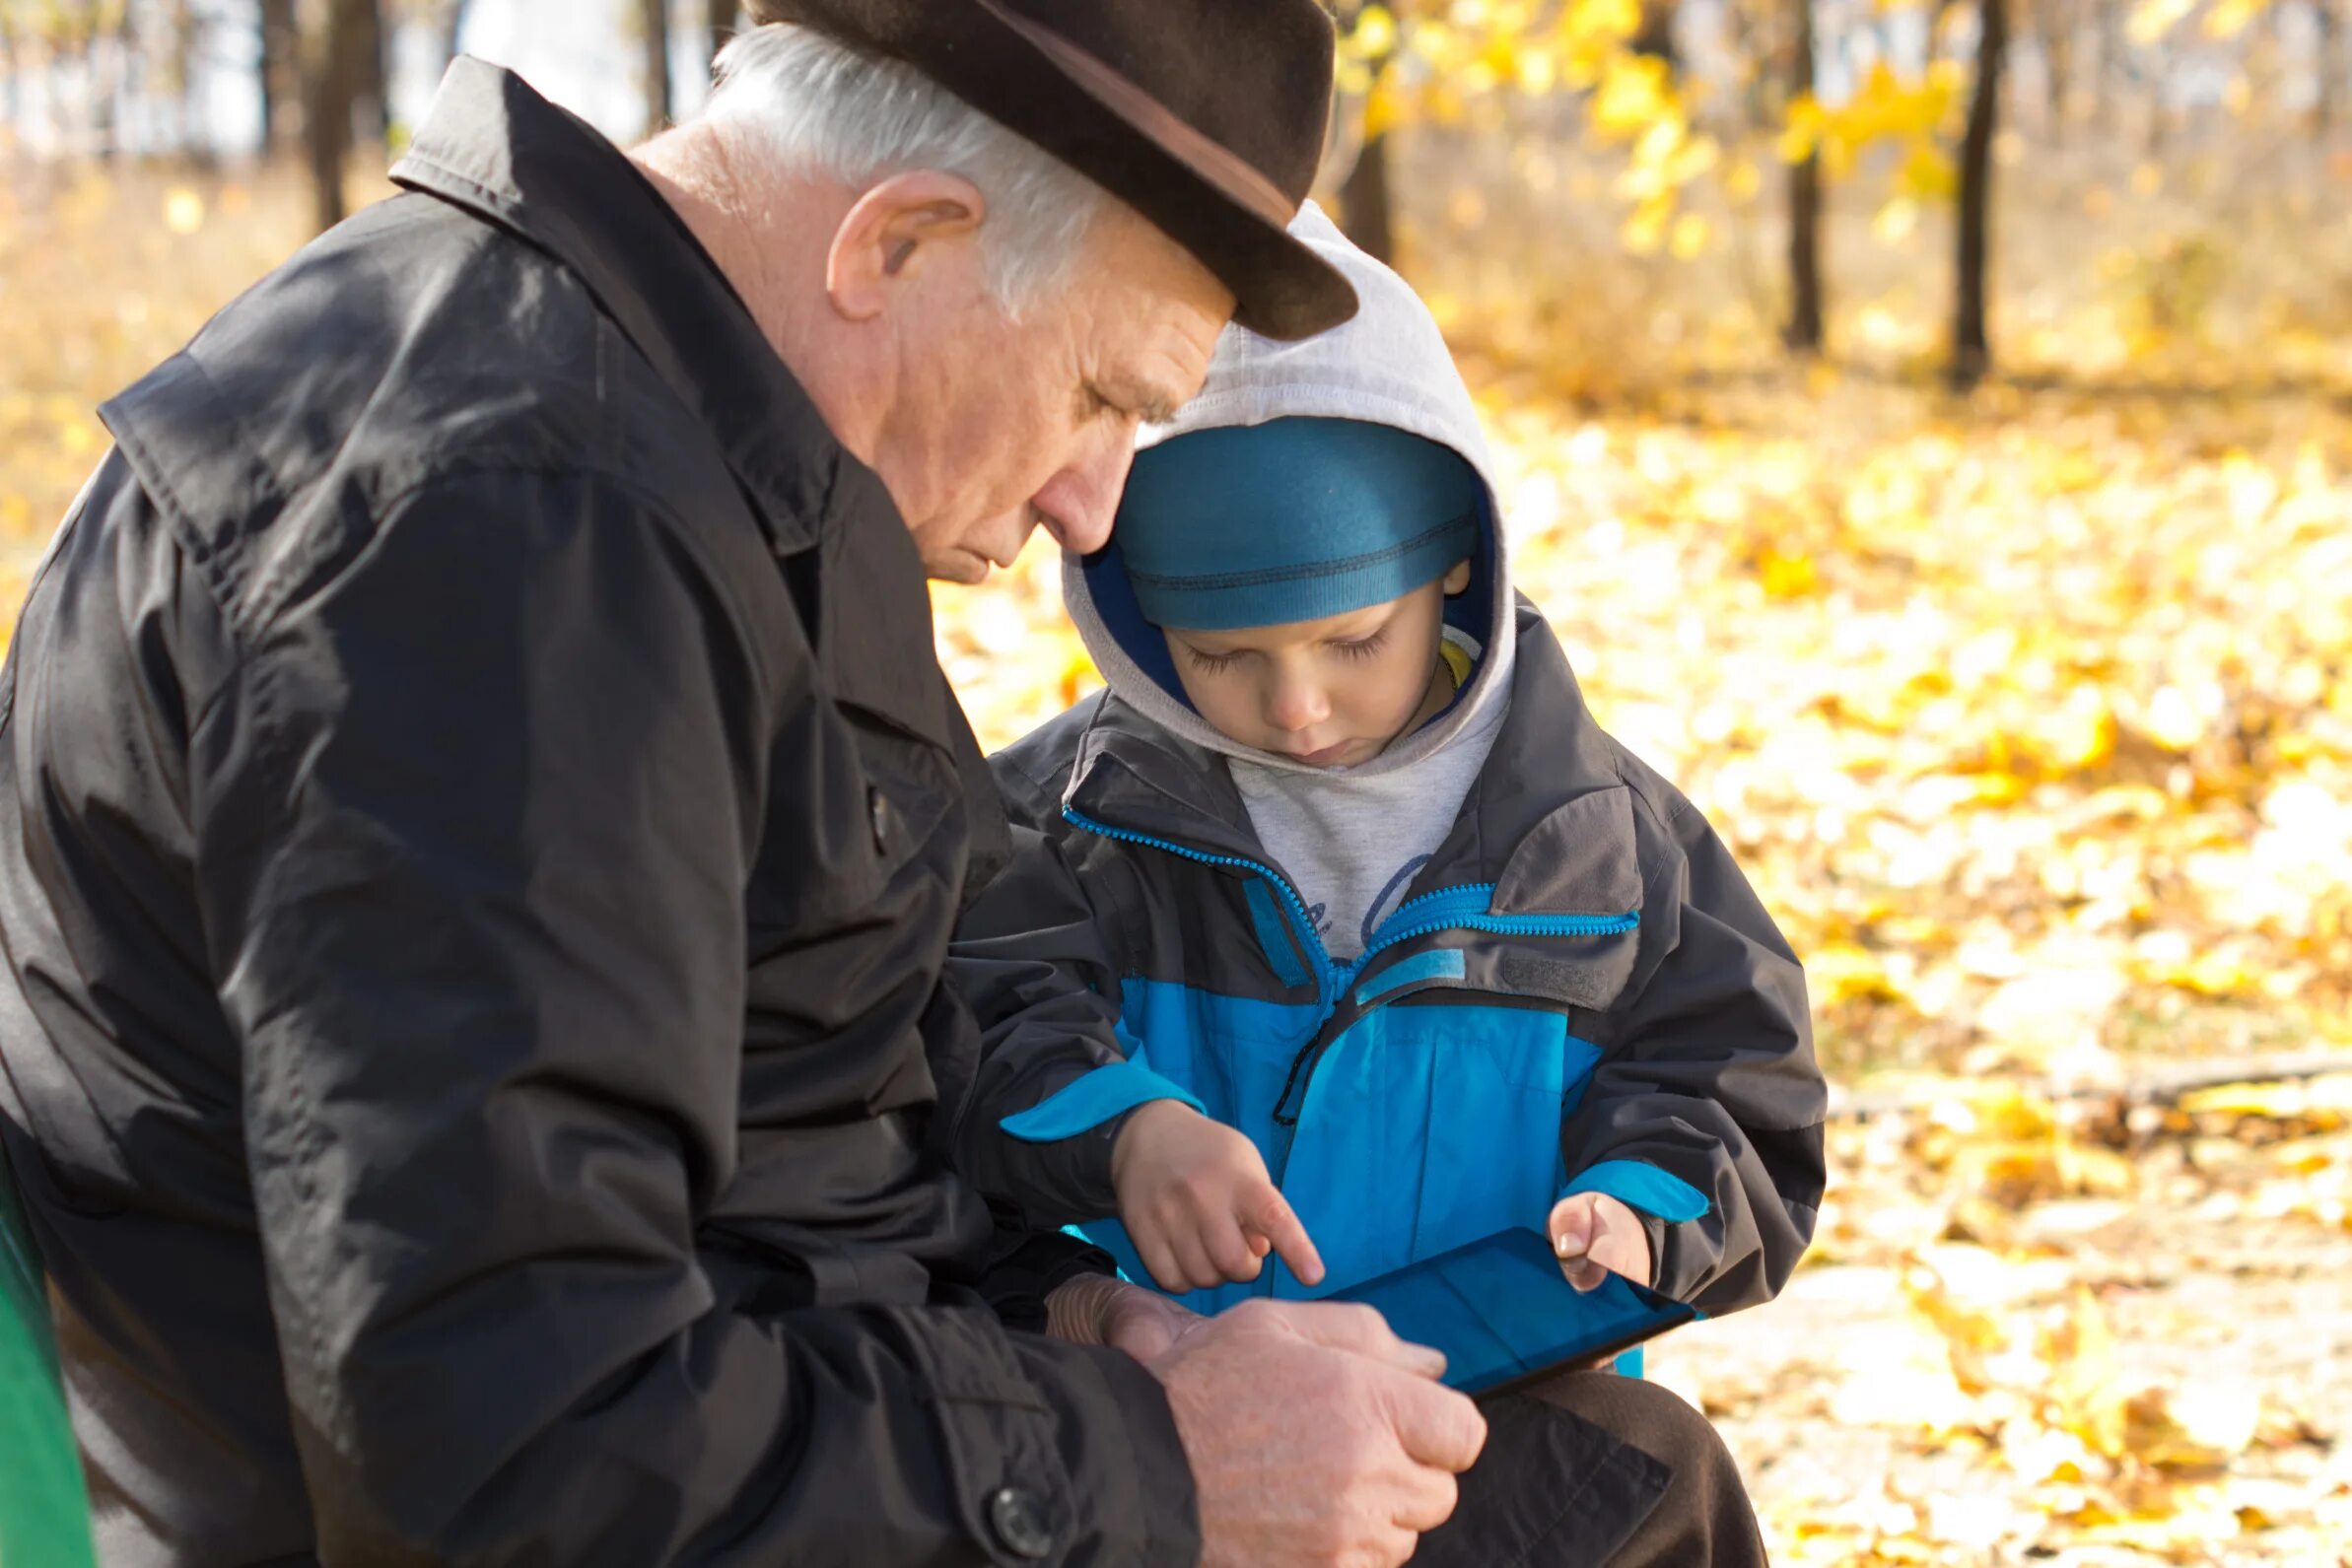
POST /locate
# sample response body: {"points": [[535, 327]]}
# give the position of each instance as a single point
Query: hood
{"points": [[1387, 366]]}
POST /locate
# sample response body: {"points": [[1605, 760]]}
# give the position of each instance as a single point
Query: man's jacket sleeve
{"points": [[475, 823], [1705, 1113], [1031, 961]]}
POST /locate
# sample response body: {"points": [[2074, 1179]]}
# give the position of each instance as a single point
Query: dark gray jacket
{"points": [[1578, 992], [480, 823]]}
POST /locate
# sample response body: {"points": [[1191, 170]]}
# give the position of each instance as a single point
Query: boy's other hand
{"points": [[1198, 1204], [1595, 1235]]}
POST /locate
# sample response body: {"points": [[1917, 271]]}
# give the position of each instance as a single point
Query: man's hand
{"points": [[1315, 1435], [1198, 1204], [1097, 1310], [1597, 1236]]}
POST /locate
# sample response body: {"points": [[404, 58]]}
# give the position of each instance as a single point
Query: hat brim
{"points": [[987, 58]]}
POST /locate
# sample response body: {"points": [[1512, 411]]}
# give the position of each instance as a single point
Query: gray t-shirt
{"points": [[1354, 841]]}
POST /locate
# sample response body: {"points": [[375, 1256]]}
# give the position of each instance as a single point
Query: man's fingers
{"points": [[1426, 1500], [1434, 1424], [1349, 1326], [1583, 1273], [1271, 1218]]}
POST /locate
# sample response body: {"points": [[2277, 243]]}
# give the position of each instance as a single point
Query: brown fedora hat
{"points": [[1206, 116]]}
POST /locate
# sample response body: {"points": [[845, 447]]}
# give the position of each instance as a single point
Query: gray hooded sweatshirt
{"points": [[1352, 838]]}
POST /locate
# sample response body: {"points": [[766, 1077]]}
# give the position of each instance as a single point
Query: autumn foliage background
{"points": [[2019, 677]]}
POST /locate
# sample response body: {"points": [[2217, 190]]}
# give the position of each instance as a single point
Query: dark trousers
{"points": [[1592, 1469]]}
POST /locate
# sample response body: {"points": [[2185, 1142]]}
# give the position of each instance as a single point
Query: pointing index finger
{"points": [[1275, 1220]]}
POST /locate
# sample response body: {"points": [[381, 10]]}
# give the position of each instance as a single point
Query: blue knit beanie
{"points": [[1292, 520]]}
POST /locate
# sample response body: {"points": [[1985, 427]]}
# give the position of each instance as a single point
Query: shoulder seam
{"points": [[722, 584]]}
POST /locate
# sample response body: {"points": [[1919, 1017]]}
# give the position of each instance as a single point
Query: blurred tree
{"points": [[1654, 36], [2324, 67], [1972, 353], [2053, 24], [652, 20], [453, 30], [372, 95], [281, 75], [1366, 214], [721, 23], [1803, 331], [334, 65], [12, 66]]}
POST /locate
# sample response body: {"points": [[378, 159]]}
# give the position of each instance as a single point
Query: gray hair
{"points": [[821, 107]]}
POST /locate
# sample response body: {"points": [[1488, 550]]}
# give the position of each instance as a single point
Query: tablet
{"points": [[1504, 1313]]}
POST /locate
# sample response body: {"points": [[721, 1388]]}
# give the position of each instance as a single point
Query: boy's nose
{"points": [[1297, 704]]}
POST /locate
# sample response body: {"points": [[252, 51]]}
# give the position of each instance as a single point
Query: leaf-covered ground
{"points": [[2031, 717]]}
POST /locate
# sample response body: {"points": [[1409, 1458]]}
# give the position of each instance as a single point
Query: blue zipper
{"points": [[1480, 921], [1327, 973], [1459, 908]]}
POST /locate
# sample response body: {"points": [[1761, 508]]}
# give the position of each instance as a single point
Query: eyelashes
{"points": [[1211, 664], [1362, 648]]}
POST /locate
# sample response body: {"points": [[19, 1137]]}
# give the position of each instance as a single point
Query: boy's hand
{"points": [[1595, 1235], [1198, 1204]]}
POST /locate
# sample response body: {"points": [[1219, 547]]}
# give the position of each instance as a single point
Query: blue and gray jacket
{"points": [[1580, 992]]}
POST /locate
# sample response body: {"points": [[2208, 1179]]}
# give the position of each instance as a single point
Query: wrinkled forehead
{"points": [[1156, 311]]}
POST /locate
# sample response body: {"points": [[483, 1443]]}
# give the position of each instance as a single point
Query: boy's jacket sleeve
{"points": [[1705, 1110], [1030, 961]]}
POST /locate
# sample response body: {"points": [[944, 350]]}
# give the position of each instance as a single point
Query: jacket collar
{"points": [[1521, 825], [494, 148]]}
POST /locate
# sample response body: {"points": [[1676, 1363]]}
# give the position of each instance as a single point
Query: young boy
{"points": [[1339, 929]]}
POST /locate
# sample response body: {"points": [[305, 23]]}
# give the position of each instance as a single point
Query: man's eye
{"points": [[1211, 664]]}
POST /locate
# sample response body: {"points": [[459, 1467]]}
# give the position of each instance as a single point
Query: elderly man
{"points": [[480, 822]]}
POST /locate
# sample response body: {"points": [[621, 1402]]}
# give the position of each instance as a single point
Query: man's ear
{"points": [[897, 229], [1456, 578]]}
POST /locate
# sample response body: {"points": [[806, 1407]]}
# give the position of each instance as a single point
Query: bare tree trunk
{"points": [[374, 105], [1654, 36], [1368, 216], [332, 68], [654, 21], [2054, 22], [281, 75], [722, 24], [453, 30], [1971, 352], [2107, 35], [2324, 69], [11, 64], [1803, 332], [187, 42], [109, 53]]}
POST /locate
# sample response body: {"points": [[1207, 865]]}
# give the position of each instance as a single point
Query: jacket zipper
{"points": [[1463, 907], [1326, 971]]}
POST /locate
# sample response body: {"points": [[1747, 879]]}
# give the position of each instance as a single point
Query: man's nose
{"points": [[1080, 503]]}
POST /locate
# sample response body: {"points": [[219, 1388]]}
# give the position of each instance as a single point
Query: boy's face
{"points": [[1331, 693]]}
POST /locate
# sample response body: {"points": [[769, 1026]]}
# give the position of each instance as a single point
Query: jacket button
{"points": [[1019, 1523], [877, 812]]}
